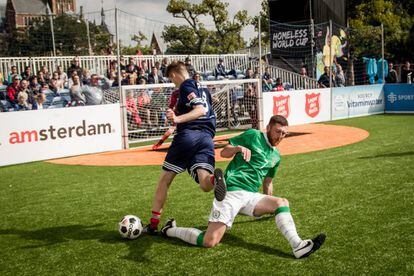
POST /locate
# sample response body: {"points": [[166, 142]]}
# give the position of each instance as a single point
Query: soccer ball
{"points": [[130, 227]]}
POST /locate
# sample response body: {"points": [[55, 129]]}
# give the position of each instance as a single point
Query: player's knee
{"points": [[209, 243], [211, 240], [281, 202]]}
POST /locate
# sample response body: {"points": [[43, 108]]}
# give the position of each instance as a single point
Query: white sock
{"points": [[286, 225], [189, 235]]}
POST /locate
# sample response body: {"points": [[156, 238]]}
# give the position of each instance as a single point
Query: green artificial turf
{"points": [[62, 220]]}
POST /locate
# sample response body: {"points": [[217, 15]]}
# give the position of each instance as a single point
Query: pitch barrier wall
{"points": [[53, 133]]}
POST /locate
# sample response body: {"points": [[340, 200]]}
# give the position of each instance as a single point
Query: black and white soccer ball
{"points": [[130, 227]]}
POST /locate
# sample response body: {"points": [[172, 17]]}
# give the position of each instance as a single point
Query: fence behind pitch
{"points": [[235, 103]]}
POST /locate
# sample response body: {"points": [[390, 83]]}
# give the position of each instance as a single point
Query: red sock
{"points": [[155, 219], [212, 179]]}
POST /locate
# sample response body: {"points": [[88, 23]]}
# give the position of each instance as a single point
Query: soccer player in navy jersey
{"points": [[192, 148]]}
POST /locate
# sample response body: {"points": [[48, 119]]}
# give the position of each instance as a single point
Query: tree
{"points": [[132, 50], [195, 38], [365, 28]]}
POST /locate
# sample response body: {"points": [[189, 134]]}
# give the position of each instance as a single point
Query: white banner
{"points": [[355, 101], [27, 136], [298, 106]]}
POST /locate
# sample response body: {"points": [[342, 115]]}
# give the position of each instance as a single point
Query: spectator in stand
{"points": [[144, 106], [1, 79], [144, 66], [76, 97], [13, 90], [132, 110], [197, 77], [93, 93], [278, 85], [220, 70], [27, 74], [142, 75], [24, 89], [132, 79], [112, 69], [324, 78], [303, 71], [11, 74], [63, 77], [53, 86], [164, 65], [41, 78], [132, 66], [34, 85], [268, 85], [189, 66], [39, 100], [405, 71], [266, 74], [75, 66], [70, 81], [21, 104], [124, 79], [59, 83], [249, 73], [339, 76], [392, 76], [86, 76], [154, 77], [46, 74]]}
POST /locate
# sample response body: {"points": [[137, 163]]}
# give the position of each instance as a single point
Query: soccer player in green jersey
{"points": [[255, 162]]}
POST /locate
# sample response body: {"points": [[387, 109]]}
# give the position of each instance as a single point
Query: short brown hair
{"points": [[175, 66], [278, 119]]}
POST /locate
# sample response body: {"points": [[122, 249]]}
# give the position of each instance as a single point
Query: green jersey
{"points": [[264, 161]]}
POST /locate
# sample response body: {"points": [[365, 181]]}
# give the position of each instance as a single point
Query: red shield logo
{"points": [[312, 105], [281, 105]]}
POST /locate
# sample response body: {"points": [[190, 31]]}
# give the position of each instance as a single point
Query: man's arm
{"points": [[229, 151], [194, 114], [267, 186]]}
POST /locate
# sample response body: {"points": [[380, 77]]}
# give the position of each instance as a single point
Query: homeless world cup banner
{"points": [[355, 101]]}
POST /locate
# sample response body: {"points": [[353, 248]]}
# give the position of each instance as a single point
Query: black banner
{"points": [[290, 40]]}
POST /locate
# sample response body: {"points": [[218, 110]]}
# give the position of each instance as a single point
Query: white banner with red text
{"points": [[27, 136], [298, 106]]}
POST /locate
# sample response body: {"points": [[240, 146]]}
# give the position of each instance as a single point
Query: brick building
{"points": [[21, 13]]}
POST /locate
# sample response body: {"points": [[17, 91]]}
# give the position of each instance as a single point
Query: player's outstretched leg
{"points": [[190, 235], [301, 248]]}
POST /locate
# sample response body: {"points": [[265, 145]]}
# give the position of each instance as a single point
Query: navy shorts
{"points": [[190, 150]]}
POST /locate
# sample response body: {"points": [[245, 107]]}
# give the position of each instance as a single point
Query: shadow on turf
{"points": [[394, 154], [57, 235]]}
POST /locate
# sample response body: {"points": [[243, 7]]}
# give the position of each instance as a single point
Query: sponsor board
{"points": [[28, 136], [298, 106], [357, 101], [399, 98]]}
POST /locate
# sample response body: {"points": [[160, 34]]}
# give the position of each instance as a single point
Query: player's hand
{"points": [[247, 154], [171, 116]]}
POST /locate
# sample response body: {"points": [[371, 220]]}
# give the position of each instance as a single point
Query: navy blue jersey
{"points": [[191, 94]]}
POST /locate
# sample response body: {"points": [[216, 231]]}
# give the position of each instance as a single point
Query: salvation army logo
{"points": [[312, 105], [281, 106]]}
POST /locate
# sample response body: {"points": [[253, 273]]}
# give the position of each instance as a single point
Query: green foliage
{"points": [[62, 220], [132, 50], [365, 28], [195, 37]]}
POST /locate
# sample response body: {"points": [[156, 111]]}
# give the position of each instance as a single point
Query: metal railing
{"points": [[296, 80], [100, 64]]}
